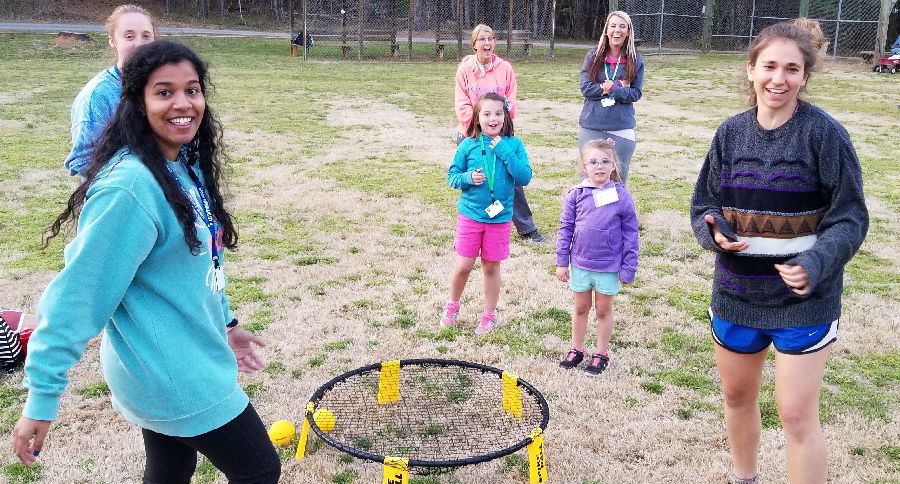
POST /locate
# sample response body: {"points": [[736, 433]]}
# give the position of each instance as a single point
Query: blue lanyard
{"points": [[203, 211]]}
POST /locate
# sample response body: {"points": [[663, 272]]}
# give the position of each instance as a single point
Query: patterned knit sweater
{"points": [[795, 194]]}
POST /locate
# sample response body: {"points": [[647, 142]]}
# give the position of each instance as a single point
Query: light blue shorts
{"points": [[581, 280]]}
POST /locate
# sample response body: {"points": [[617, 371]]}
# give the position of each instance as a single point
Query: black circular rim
{"points": [[362, 454]]}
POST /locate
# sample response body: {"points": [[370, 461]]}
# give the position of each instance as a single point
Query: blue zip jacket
{"points": [[621, 114], [512, 169], [130, 275], [91, 111]]}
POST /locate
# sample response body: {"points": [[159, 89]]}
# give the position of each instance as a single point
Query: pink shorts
{"points": [[491, 240]]}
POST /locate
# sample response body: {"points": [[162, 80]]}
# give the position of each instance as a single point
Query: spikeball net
{"points": [[427, 414]]}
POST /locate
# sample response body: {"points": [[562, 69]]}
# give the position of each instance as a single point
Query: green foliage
{"points": [[516, 463], [274, 368], [398, 177], [362, 443], [405, 317], [346, 476], [338, 345], [864, 383], [19, 474], [433, 430], [206, 472], [96, 390], [317, 361], [312, 260], [869, 273], [12, 398], [244, 290], [652, 387], [252, 389]]}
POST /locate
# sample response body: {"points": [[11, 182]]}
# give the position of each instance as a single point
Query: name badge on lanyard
{"points": [[609, 101], [205, 213], [495, 207]]}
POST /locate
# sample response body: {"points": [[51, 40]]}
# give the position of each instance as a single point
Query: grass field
{"points": [[338, 182]]}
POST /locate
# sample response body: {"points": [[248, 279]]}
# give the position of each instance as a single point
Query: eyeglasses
{"points": [[596, 163], [486, 39]]}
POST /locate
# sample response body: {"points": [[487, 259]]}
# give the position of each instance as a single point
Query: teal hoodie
{"points": [[130, 274], [512, 169]]}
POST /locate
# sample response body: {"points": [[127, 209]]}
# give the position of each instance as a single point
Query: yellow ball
{"points": [[281, 432], [324, 419]]}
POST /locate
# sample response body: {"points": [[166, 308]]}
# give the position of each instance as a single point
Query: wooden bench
{"points": [[444, 35], [518, 37], [867, 55], [349, 38]]}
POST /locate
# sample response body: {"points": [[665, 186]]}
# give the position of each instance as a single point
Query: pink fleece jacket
{"points": [[470, 85]]}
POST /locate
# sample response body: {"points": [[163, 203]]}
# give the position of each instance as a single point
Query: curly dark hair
{"points": [[129, 128]]}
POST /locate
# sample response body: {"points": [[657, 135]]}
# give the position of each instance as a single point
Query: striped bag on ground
{"points": [[10, 347]]}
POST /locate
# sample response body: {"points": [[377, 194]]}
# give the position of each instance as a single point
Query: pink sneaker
{"points": [[488, 323], [451, 313]]}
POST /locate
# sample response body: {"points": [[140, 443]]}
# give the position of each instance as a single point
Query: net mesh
{"points": [[444, 414]]}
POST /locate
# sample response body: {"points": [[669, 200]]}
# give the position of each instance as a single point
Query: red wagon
{"points": [[891, 64]]}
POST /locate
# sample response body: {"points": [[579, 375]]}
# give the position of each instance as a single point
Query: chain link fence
{"points": [[429, 29], [670, 25], [419, 29]]}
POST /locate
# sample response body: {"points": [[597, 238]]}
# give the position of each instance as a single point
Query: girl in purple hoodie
{"points": [[596, 249]]}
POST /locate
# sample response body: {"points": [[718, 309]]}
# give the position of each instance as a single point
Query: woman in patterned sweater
{"points": [[780, 201]]}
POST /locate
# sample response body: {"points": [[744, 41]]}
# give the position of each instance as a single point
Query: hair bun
{"points": [[814, 30]]}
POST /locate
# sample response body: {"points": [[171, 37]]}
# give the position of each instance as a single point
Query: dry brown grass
{"points": [[393, 254]]}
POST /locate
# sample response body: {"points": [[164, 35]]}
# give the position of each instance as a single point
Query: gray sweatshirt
{"points": [[795, 194]]}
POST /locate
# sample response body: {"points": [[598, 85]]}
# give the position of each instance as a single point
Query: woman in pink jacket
{"points": [[477, 75]]}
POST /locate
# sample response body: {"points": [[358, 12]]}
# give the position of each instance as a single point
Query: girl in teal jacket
{"points": [[488, 164]]}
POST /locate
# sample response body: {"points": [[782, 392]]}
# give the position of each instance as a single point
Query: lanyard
{"points": [[489, 176], [615, 71], [203, 210]]}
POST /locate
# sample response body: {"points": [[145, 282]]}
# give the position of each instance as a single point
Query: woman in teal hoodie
{"points": [[145, 269]]}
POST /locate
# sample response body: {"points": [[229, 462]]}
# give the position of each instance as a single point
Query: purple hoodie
{"points": [[599, 239]]}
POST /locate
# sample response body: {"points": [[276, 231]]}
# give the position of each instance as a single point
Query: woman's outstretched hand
{"points": [[28, 439], [241, 342], [721, 240]]}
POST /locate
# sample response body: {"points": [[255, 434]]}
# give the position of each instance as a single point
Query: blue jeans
{"points": [[624, 149]]}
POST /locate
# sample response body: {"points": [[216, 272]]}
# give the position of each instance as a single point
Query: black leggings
{"points": [[240, 449]]}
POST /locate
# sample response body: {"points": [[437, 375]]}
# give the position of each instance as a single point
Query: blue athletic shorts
{"points": [[581, 280], [792, 341]]}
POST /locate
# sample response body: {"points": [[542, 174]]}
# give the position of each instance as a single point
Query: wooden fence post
{"points": [[883, 18], [361, 14], [708, 10], [460, 14]]}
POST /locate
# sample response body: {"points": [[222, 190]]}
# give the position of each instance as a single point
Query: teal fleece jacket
{"points": [[512, 169], [130, 274]]}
